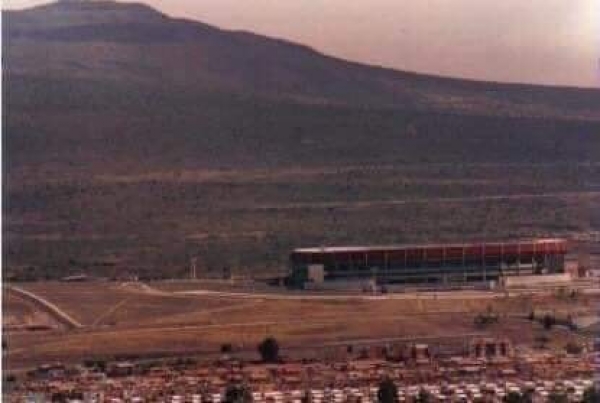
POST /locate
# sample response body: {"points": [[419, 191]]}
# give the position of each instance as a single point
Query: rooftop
{"points": [[370, 248]]}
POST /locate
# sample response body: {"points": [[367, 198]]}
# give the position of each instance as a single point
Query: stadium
{"points": [[429, 264]]}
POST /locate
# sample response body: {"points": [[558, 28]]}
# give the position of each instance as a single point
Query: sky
{"points": [[554, 42]]}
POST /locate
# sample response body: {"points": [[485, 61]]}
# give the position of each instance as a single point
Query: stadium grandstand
{"points": [[430, 264]]}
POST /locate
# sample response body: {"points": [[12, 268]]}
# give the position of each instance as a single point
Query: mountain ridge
{"points": [[109, 135], [144, 9], [188, 53]]}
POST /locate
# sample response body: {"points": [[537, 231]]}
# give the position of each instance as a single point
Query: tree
{"points": [[486, 318], [558, 398], [591, 395], [424, 397], [306, 397], [58, 397], [512, 397], [573, 348], [516, 397], [237, 394], [269, 350], [541, 340], [548, 321], [387, 392]]}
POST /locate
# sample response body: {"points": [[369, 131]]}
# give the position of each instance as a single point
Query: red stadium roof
{"points": [[554, 244]]}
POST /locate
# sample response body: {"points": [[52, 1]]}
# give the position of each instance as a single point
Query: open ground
{"points": [[135, 320]]}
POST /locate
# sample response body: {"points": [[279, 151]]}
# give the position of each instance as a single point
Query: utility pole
{"points": [[193, 268]]}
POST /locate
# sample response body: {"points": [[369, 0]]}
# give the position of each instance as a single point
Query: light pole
{"points": [[193, 268]]}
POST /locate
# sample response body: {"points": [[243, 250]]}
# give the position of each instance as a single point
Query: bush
{"points": [[548, 322], [226, 348], [557, 398], [424, 397], [269, 350], [573, 348], [237, 394], [387, 392], [591, 395], [513, 397], [541, 340], [99, 365], [485, 319]]}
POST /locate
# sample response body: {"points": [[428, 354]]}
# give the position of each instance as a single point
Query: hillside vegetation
{"points": [[134, 141]]}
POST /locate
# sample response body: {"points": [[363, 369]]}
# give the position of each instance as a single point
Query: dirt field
{"points": [[128, 320], [20, 314], [101, 303]]}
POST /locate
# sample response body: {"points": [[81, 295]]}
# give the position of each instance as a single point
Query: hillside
{"points": [[133, 141], [120, 42]]}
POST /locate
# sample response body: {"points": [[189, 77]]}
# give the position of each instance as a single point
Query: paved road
{"points": [[428, 295], [60, 315], [370, 297]]}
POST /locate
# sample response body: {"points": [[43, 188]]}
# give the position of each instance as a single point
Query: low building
{"points": [[490, 348], [435, 265]]}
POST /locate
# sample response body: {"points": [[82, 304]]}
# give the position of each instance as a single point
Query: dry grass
{"points": [[155, 323], [98, 303], [205, 340], [180, 339]]}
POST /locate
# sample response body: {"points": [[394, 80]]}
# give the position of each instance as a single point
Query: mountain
{"points": [[133, 141], [127, 42], [93, 84]]}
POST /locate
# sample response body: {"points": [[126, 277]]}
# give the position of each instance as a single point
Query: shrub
{"points": [[548, 322], [541, 340], [557, 398], [424, 397], [591, 395], [513, 397], [269, 350], [237, 394], [573, 348], [387, 392]]}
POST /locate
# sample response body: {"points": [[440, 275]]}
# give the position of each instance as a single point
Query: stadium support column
{"points": [[483, 262], [518, 256], [533, 261], [464, 259], [484, 272], [386, 261], [442, 266], [424, 260]]}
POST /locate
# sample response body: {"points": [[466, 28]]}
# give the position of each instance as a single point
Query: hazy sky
{"points": [[538, 41]]}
